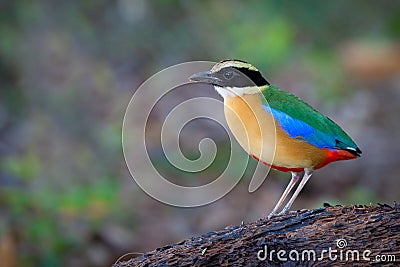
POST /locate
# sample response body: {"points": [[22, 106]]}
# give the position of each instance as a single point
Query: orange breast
{"points": [[260, 135]]}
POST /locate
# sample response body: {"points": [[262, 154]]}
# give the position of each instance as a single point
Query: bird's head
{"points": [[233, 78]]}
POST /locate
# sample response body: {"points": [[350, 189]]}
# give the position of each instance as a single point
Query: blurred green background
{"points": [[69, 68]]}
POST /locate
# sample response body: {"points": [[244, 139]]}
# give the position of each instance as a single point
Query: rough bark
{"points": [[364, 228]]}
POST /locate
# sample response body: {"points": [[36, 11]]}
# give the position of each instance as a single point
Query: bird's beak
{"points": [[205, 77]]}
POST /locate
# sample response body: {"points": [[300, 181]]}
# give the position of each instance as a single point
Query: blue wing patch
{"points": [[301, 130]]}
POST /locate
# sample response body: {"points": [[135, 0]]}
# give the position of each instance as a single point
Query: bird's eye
{"points": [[228, 74]]}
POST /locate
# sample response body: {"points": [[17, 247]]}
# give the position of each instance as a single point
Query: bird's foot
{"points": [[284, 210], [272, 214]]}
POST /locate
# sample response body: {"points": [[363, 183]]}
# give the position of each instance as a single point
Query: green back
{"points": [[298, 109]]}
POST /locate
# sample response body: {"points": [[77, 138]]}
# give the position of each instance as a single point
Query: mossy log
{"points": [[328, 236]]}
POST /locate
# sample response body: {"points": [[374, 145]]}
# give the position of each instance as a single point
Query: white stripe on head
{"points": [[232, 63]]}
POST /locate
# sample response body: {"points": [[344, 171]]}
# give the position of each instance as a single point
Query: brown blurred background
{"points": [[69, 68]]}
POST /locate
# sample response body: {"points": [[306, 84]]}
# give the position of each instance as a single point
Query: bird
{"points": [[276, 127]]}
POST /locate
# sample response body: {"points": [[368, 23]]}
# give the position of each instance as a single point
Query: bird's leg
{"points": [[307, 175], [293, 181]]}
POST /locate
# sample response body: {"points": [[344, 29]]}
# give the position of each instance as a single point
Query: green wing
{"points": [[302, 121]]}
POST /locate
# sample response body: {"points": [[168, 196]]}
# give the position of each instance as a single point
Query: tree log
{"points": [[328, 236]]}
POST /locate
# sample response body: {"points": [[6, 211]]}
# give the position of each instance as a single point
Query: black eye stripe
{"points": [[253, 75], [229, 74], [239, 77]]}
